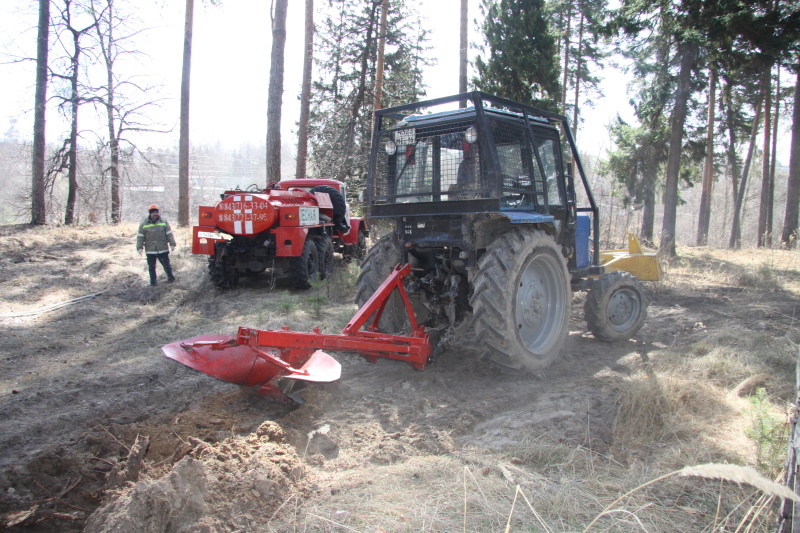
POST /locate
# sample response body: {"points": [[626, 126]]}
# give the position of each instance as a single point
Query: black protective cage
{"points": [[445, 188]]}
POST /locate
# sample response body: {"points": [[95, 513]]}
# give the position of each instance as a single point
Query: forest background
{"points": [[635, 80]]}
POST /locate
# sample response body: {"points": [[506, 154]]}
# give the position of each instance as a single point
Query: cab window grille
{"points": [[429, 164]]}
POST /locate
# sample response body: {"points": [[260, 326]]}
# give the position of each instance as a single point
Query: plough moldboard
{"points": [[269, 360]]}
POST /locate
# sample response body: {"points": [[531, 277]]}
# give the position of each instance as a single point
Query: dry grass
{"points": [[769, 270], [686, 405]]}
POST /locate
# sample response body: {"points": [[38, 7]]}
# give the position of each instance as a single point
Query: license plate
{"points": [[209, 235], [309, 216], [404, 137]]}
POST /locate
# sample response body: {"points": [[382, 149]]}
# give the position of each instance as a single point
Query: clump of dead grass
{"points": [[762, 277], [493, 494], [747, 516], [736, 363]]}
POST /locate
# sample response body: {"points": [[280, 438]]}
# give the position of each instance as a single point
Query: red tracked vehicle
{"points": [[291, 227]]}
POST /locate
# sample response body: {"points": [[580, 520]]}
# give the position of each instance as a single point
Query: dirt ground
{"points": [[457, 447]]}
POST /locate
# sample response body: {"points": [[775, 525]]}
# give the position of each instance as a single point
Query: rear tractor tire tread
{"points": [[379, 262], [521, 301]]}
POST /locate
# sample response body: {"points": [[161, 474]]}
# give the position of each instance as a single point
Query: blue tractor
{"points": [[479, 195]]}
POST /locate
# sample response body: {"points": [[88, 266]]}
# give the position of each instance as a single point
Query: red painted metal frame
{"points": [[414, 349], [260, 358]]}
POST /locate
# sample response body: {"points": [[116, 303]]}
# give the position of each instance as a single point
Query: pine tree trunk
{"points": [[708, 167], [38, 209], [789, 236], [733, 159], [305, 93], [275, 97], [376, 101], [736, 229], [648, 214], [183, 144], [578, 66], [773, 160], [765, 232], [687, 53], [463, 49], [566, 58]]}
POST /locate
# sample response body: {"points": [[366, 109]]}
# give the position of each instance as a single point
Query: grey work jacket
{"points": [[155, 236]]}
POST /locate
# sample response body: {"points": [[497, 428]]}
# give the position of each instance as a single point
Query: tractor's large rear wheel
{"points": [[378, 264], [521, 300], [305, 267], [615, 307]]}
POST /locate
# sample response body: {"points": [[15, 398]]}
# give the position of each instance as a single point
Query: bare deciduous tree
{"points": [[122, 100], [71, 39]]}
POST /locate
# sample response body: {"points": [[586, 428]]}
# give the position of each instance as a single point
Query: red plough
{"points": [[273, 360]]}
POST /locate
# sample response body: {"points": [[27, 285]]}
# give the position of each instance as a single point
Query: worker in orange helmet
{"points": [[155, 238]]}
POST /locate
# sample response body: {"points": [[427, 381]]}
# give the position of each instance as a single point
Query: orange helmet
{"points": [[153, 207]]}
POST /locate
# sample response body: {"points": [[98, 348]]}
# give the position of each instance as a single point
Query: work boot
{"points": [[153, 283], [171, 280]]}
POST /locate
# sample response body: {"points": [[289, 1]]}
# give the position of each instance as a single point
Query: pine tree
{"points": [[341, 109], [582, 48], [520, 53]]}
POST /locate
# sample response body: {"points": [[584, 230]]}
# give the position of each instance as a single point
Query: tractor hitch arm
{"points": [[266, 358]]}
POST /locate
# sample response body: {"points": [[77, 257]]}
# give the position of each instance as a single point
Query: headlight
{"points": [[391, 147], [471, 135]]}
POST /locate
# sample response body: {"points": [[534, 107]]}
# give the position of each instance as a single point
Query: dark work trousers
{"points": [[163, 257]]}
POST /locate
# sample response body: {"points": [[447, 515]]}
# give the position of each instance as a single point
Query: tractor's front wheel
{"points": [[615, 307], [521, 300], [305, 267]]}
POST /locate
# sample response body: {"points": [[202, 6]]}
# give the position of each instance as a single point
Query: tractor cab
{"points": [[493, 157]]}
